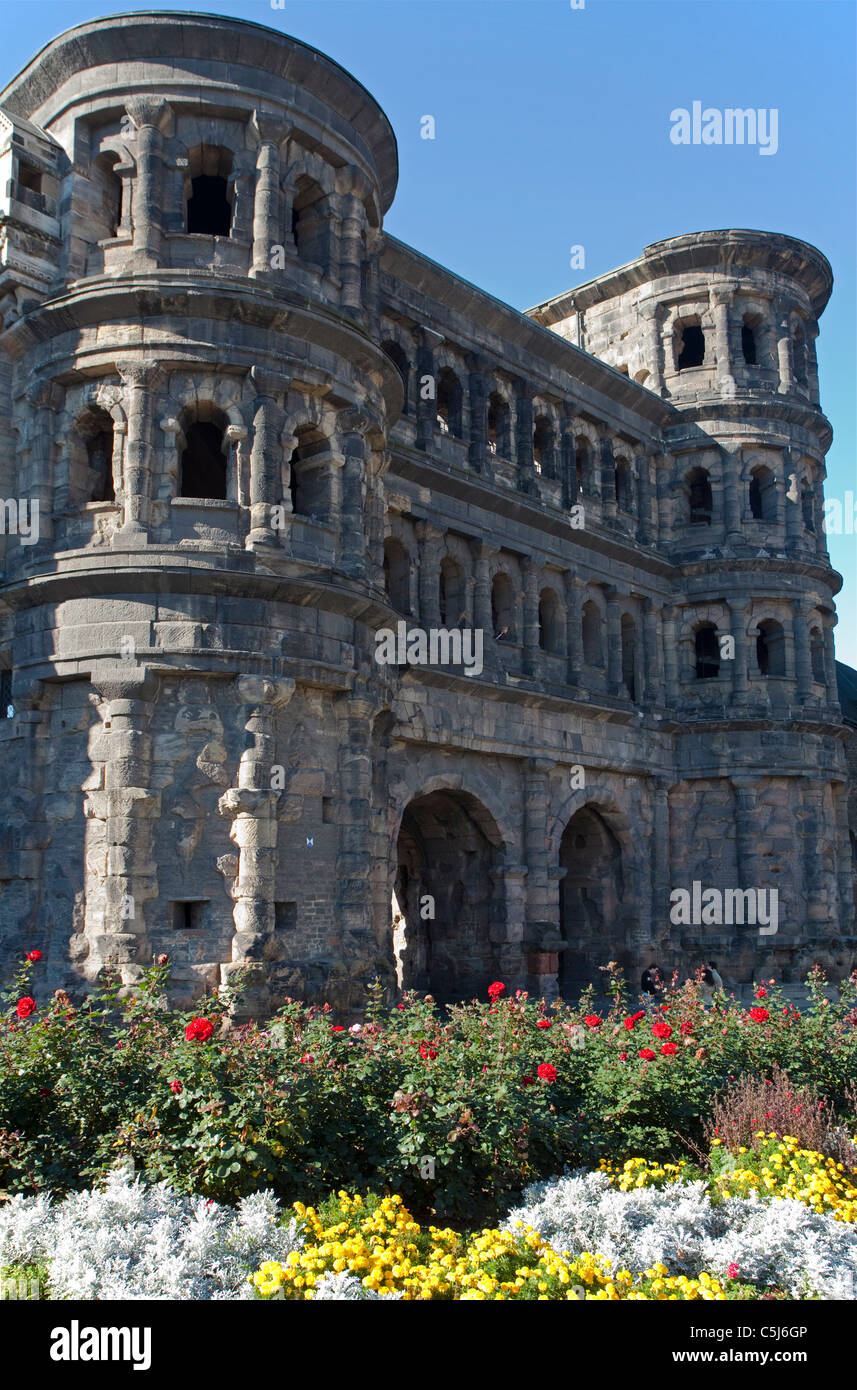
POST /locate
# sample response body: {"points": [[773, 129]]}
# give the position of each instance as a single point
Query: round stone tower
{"points": [[189, 298]]}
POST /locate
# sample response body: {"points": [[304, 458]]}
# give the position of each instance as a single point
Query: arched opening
{"points": [[700, 500], [593, 647], [453, 594], [550, 622], [816, 650], [763, 495], [445, 907], [590, 898], [503, 609], [499, 425], [397, 575], [203, 462], [111, 193], [624, 493], [807, 503], [309, 475], [311, 224], [543, 446], [209, 205], [449, 404], [583, 464], [690, 344], [799, 356], [749, 347], [99, 456], [629, 655], [706, 652], [397, 354], [771, 648]]}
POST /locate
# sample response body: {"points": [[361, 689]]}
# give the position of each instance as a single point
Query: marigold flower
{"points": [[199, 1030], [25, 1006]]}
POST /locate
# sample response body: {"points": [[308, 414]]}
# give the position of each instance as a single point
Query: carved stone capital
{"points": [[122, 680], [45, 395], [259, 690], [151, 111], [140, 373]]}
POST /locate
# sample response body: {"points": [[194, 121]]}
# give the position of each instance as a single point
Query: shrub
{"points": [[752, 1108]]}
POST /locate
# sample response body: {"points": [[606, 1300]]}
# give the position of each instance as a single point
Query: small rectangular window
{"points": [[29, 178], [7, 709], [187, 916], [327, 810], [285, 916]]}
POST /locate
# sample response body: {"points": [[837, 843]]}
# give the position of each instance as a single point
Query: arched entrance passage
{"points": [[449, 850], [590, 897]]}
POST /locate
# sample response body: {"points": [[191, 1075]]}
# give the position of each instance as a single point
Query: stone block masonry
{"points": [[260, 431]]}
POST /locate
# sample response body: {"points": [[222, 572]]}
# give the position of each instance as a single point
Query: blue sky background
{"points": [[553, 130]]}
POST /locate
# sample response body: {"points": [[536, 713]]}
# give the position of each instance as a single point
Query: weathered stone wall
{"points": [[257, 445]]}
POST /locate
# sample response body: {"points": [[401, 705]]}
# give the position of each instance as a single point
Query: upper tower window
{"points": [[203, 466], [699, 497], [771, 648], [499, 425], [748, 342], [543, 446], [397, 574], [706, 652], [209, 209], [99, 456], [311, 224], [762, 495], [550, 622], [690, 345], [29, 178], [449, 403]]}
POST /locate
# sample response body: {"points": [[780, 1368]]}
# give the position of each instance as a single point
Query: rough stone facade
{"points": [[259, 431]]}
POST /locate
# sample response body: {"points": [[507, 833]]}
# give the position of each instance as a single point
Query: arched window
{"points": [[807, 503], [311, 224], [550, 622], [209, 204], [748, 341], [111, 193], [499, 425], [689, 344], [763, 495], [799, 356], [629, 655], [397, 354], [583, 464], [707, 652], [503, 608], [771, 648], [624, 493], [449, 404], [593, 649], [397, 574], [309, 475], [99, 456], [203, 463], [543, 446], [699, 497], [816, 650], [453, 595]]}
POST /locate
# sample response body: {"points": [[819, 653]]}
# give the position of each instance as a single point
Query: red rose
{"points": [[623, 1056], [547, 1071], [307, 1057], [25, 1006], [495, 990], [199, 1030], [761, 992], [43, 1091], [661, 1029], [176, 1088], [543, 1023], [528, 1081], [668, 1049], [592, 1021], [337, 1028], [163, 960], [631, 1022], [427, 1052], [732, 1270], [759, 1015], [687, 1026], [665, 1008], [34, 955], [647, 1054]]}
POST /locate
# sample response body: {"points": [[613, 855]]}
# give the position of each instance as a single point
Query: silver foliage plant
{"points": [[781, 1243], [134, 1241]]}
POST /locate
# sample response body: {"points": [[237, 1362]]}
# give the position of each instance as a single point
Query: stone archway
{"points": [[449, 851], [591, 893]]}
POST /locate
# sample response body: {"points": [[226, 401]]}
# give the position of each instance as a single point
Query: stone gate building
{"points": [[259, 431]]}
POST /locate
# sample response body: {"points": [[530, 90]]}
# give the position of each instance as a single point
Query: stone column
{"points": [[608, 477], [267, 204], [542, 928], [732, 467], [265, 456], [482, 616], [510, 941], [121, 808], [140, 380], [845, 871], [426, 406], [574, 637], [531, 615], [644, 500], [738, 628], [665, 500], [568, 459], [651, 665], [352, 427], [354, 859], [661, 867], [431, 541], [721, 301], [152, 118], [803, 654], [524, 438], [45, 400], [477, 451], [614, 642], [830, 665], [784, 354], [793, 504], [670, 654], [252, 809], [352, 251], [650, 313]]}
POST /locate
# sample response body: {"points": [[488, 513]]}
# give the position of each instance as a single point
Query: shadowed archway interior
{"points": [[590, 900]]}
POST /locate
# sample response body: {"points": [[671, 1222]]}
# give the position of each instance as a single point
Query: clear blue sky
{"points": [[553, 130]]}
